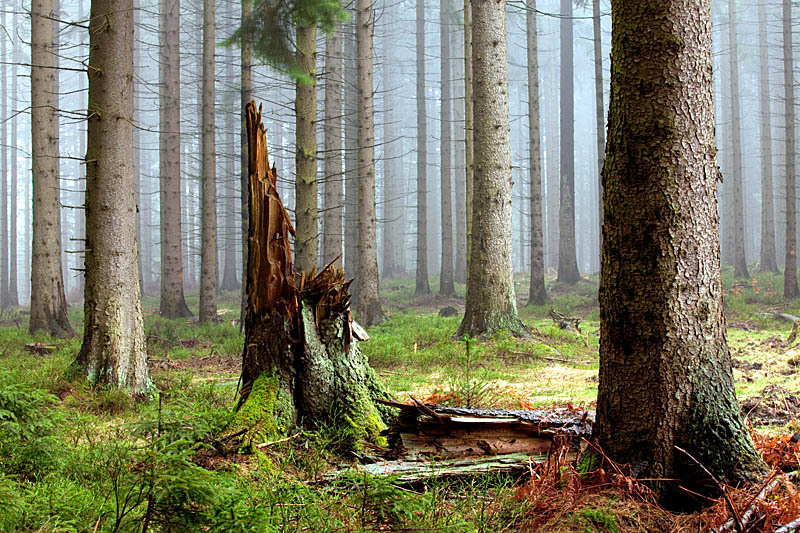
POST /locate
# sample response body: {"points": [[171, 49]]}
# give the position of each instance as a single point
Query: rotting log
{"points": [[301, 361]]}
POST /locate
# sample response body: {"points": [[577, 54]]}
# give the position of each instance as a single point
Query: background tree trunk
{"points": [[13, 289], [740, 258], [459, 118], [600, 115], [114, 349], [768, 262], [469, 134], [229, 280], [246, 96], [334, 175], [491, 304], [422, 287], [790, 289], [48, 301], [351, 240], [4, 168], [446, 273], [665, 368]]}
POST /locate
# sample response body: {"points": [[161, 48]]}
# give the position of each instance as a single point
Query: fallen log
{"points": [[564, 321]]}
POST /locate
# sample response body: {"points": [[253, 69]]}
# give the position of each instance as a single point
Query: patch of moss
{"points": [[262, 415]]}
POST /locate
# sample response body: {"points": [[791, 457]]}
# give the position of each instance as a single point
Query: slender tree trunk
{"points": [[172, 302], [48, 300], [740, 258], [369, 301], [538, 293], [229, 279], [469, 137], [446, 273], [351, 237], [306, 152], [768, 261], [457, 46], [208, 241], [790, 289], [567, 260], [13, 291], [334, 175], [600, 114], [114, 349], [246, 96], [491, 304], [423, 287], [4, 167], [666, 382]]}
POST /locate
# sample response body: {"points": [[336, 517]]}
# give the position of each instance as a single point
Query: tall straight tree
{"points": [[538, 293], [459, 118], [446, 272], [172, 303], [305, 107], [48, 301], [790, 289], [600, 115], [422, 287], [768, 262], [13, 290], [469, 137], [208, 241], [567, 260], [4, 167], [490, 304], [351, 240], [369, 301], [666, 403], [334, 177], [114, 351], [246, 97], [230, 281], [740, 258]]}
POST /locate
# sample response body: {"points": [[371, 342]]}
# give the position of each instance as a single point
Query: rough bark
{"points": [[567, 260], [600, 115], [422, 286], [490, 304], [351, 240], [538, 293], [230, 281], [369, 300], [469, 137], [768, 261], [246, 96], [739, 259], [305, 157], [446, 272], [172, 303], [334, 175], [48, 300], [665, 368], [208, 172], [790, 289], [113, 352]]}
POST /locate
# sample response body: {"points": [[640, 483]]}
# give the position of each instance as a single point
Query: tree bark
{"points": [[172, 303], [230, 282], [208, 172], [114, 350], [740, 258], [538, 293], [369, 300], [665, 368], [600, 115], [768, 262], [351, 240], [422, 286], [334, 175], [469, 133], [567, 260], [490, 304], [790, 289], [48, 300], [459, 118], [246, 96], [446, 273], [306, 150]]}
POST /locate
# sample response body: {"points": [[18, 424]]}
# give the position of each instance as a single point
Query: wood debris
{"points": [[565, 322]]}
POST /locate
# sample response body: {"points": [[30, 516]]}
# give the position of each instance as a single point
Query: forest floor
{"points": [[79, 458]]}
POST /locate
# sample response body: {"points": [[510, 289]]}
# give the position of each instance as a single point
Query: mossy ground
{"points": [[83, 450]]}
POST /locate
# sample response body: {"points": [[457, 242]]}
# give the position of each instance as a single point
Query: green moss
{"points": [[263, 415]]}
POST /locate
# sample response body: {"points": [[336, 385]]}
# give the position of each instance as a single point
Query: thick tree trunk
{"points": [[301, 360], [446, 272], [48, 300], [369, 300], [208, 159], [334, 175], [422, 287], [567, 260], [114, 349], [790, 289], [491, 304], [740, 258], [246, 96], [172, 303], [768, 262], [665, 368], [538, 293], [305, 157]]}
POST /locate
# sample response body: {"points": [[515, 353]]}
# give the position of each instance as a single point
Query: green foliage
{"points": [[600, 519]]}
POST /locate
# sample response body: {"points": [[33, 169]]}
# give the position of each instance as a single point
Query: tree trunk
{"points": [[469, 137], [306, 150], [600, 115], [300, 361], [229, 280], [446, 272], [491, 304], [459, 113], [13, 291], [567, 260], [768, 262], [538, 293], [48, 300], [790, 289], [351, 240], [334, 175], [114, 349], [369, 300], [4, 168], [208, 158], [665, 368], [246, 96], [172, 303], [422, 287], [740, 258]]}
